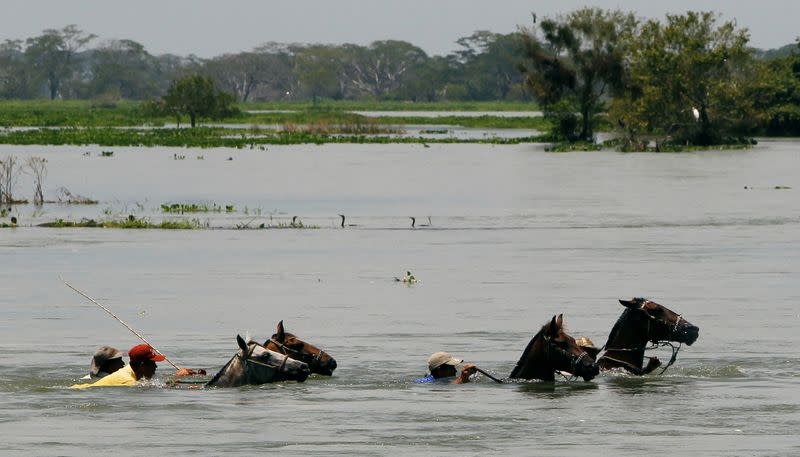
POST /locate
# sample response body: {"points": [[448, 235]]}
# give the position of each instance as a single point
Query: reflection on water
{"points": [[517, 236]]}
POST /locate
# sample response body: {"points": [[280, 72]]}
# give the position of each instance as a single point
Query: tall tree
{"points": [[688, 78], [245, 73], [53, 54], [318, 69], [574, 62], [196, 96], [380, 68], [491, 64], [776, 94], [126, 68]]}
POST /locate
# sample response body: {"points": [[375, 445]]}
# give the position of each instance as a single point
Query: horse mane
{"points": [[617, 326], [521, 362], [219, 373]]}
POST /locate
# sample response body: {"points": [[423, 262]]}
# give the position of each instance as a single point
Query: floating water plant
{"points": [[63, 195], [131, 222], [435, 131], [181, 208]]}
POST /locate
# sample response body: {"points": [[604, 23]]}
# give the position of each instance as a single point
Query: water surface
{"points": [[517, 235]]}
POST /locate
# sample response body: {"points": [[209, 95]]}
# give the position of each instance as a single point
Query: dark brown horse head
{"points": [[645, 321], [318, 361], [664, 324], [552, 350]]}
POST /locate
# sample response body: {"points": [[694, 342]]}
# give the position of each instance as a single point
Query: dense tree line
{"points": [[60, 64], [684, 79]]}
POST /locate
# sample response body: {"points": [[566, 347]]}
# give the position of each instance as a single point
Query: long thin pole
{"points": [[488, 375], [118, 320]]}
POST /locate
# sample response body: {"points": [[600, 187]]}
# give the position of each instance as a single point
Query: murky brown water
{"points": [[517, 235]]}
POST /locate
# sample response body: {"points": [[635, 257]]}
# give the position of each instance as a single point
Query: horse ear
{"points": [[631, 304], [552, 330], [241, 343], [280, 334], [560, 321]]}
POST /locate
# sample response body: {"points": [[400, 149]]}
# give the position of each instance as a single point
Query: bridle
{"points": [[574, 360], [309, 358], [248, 359], [655, 343]]}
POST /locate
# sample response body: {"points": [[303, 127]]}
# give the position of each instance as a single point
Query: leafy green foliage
{"points": [[687, 81], [195, 96], [573, 64]]}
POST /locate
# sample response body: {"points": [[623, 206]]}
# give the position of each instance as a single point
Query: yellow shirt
{"points": [[123, 377]]}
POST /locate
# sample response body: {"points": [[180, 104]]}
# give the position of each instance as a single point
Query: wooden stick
{"points": [[118, 320], [488, 375]]}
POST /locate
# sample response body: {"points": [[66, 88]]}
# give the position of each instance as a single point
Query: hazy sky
{"points": [[212, 27]]}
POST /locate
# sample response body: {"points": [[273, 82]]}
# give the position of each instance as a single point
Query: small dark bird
{"points": [[346, 225], [534, 16], [413, 221], [294, 218]]}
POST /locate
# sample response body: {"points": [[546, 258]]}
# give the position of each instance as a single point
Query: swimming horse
{"points": [[641, 322], [553, 350], [318, 361], [254, 364]]}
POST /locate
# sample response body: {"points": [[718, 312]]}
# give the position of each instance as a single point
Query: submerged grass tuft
{"points": [[181, 208], [131, 222]]}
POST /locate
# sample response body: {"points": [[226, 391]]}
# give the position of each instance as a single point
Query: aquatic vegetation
{"points": [[194, 208], [289, 225], [435, 131], [207, 137], [131, 222], [573, 146], [64, 196]]}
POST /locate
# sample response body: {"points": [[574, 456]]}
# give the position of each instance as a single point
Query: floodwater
{"points": [[449, 113], [425, 113], [516, 235]]}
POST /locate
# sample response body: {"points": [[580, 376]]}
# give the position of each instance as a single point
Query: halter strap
{"points": [[249, 360], [574, 360], [286, 349]]}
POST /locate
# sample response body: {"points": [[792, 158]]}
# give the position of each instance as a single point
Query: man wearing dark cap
{"points": [[105, 361], [142, 365]]}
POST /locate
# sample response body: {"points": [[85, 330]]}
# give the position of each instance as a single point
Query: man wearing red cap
{"points": [[142, 365]]}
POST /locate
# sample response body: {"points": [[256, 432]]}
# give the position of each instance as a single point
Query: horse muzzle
{"points": [[302, 373], [325, 368], [687, 334], [590, 372], [587, 369]]}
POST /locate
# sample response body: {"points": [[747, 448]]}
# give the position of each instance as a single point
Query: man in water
{"points": [[105, 361], [442, 367], [142, 366]]}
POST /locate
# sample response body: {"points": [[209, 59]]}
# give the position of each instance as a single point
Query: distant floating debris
{"points": [[767, 188]]}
